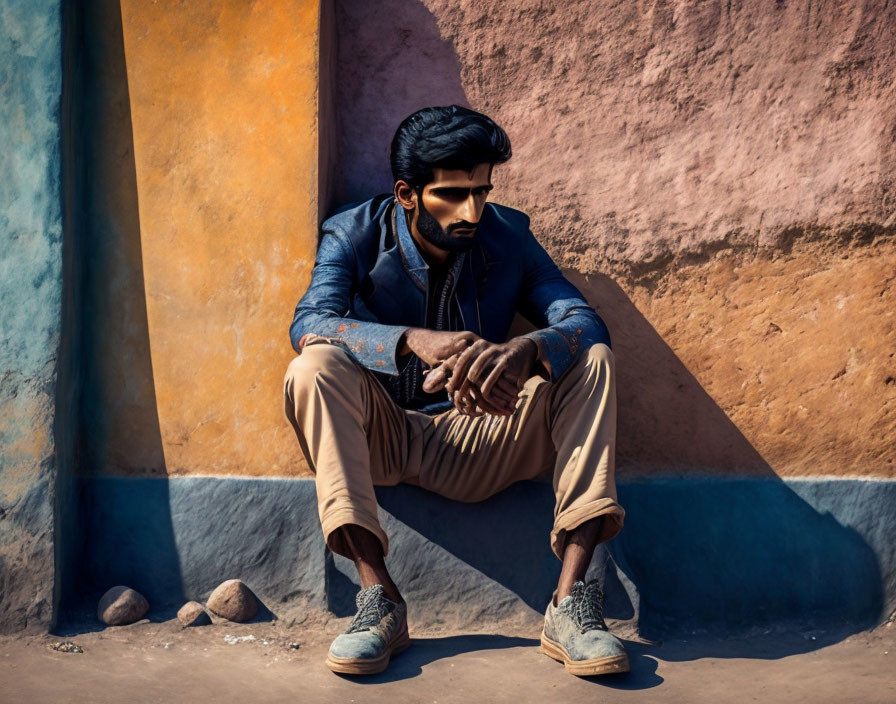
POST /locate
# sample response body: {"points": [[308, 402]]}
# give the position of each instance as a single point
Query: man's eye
{"points": [[482, 191], [453, 193]]}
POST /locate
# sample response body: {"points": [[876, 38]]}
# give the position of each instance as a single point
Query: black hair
{"points": [[451, 137]]}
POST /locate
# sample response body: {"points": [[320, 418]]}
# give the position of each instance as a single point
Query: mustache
{"points": [[462, 226]]}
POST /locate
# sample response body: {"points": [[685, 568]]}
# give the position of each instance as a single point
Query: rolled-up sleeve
{"points": [[325, 309], [568, 325]]}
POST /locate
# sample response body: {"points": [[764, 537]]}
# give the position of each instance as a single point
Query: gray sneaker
{"points": [[378, 631], [575, 634]]}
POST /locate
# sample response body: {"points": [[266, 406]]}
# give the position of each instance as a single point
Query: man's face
{"points": [[450, 206]]}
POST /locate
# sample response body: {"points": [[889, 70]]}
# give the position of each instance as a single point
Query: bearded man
{"points": [[405, 373]]}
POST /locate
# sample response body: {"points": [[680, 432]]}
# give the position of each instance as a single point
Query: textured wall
{"points": [[821, 555], [30, 305], [721, 174], [199, 193]]}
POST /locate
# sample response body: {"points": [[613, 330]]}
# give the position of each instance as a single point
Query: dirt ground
{"points": [[273, 662]]}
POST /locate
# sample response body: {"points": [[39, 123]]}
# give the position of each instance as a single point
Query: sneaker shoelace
{"points": [[372, 607], [586, 607]]}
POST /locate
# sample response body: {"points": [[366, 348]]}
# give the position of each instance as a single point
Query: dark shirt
{"points": [[406, 387]]}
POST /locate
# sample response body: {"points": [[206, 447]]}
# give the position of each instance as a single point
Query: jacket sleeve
{"points": [[569, 326], [324, 308]]}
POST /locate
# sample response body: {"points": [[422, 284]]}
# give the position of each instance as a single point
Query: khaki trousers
{"points": [[354, 436]]}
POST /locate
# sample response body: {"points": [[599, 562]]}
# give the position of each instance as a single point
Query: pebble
{"points": [[234, 601], [233, 640], [121, 605], [67, 646], [193, 614]]}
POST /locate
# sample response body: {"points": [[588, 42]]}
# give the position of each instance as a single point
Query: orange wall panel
{"points": [[223, 108]]}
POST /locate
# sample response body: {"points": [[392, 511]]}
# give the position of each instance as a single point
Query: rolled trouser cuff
{"points": [[348, 515], [576, 516]]}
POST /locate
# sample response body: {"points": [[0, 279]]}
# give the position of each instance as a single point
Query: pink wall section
{"points": [[717, 177]]}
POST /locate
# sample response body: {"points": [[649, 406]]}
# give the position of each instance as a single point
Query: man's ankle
{"points": [[563, 590], [393, 594], [389, 589]]}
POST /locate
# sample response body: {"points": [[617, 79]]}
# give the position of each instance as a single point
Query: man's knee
{"points": [[317, 359], [596, 366], [600, 354]]}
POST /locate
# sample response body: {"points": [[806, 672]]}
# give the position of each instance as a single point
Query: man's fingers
{"points": [[456, 380], [450, 363], [459, 376], [464, 403], [494, 409], [494, 376], [464, 395], [501, 395], [505, 384], [466, 340], [504, 391], [436, 378], [481, 363]]}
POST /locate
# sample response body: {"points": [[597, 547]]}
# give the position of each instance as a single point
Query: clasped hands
{"points": [[480, 376]]}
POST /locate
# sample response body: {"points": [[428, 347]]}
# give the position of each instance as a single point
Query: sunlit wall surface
{"points": [[197, 156]]}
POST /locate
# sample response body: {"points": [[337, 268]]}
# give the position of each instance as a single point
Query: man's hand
{"points": [[435, 346], [491, 376], [481, 376]]}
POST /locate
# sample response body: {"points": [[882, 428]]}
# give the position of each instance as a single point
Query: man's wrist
{"points": [[534, 345], [539, 368], [534, 367], [404, 346]]}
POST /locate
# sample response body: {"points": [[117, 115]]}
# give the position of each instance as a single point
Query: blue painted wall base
{"points": [[715, 553]]}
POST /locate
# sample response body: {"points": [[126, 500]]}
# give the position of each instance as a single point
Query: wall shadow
{"points": [[728, 535], [735, 553], [667, 420], [391, 60], [111, 402]]}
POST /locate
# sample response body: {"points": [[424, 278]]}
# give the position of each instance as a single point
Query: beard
{"points": [[437, 236]]}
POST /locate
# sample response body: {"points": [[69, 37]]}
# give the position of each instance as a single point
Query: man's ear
{"points": [[405, 195]]}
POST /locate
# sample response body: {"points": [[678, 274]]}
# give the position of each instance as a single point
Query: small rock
{"points": [[121, 605], [193, 614], [295, 646], [67, 646], [233, 640], [234, 601]]}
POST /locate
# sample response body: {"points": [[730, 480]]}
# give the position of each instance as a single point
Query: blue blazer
{"points": [[369, 285]]}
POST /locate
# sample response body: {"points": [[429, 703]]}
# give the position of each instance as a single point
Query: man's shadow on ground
{"points": [[424, 651]]}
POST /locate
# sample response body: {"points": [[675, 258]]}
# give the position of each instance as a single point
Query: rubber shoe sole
{"points": [[583, 668], [370, 666]]}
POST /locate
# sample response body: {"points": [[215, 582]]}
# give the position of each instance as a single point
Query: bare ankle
{"points": [[366, 551]]}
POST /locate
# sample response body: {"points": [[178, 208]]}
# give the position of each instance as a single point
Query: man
{"points": [[405, 374]]}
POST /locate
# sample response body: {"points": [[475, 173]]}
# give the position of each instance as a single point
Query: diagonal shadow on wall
{"points": [[720, 538], [726, 537], [390, 61], [113, 415]]}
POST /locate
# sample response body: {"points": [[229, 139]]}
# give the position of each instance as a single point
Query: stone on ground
{"points": [[121, 605], [234, 601], [193, 614]]}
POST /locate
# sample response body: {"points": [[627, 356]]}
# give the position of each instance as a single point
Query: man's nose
{"points": [[469, 211]]}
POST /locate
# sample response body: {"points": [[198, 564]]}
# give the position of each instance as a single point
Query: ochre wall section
{"points": [[222, 105]]}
